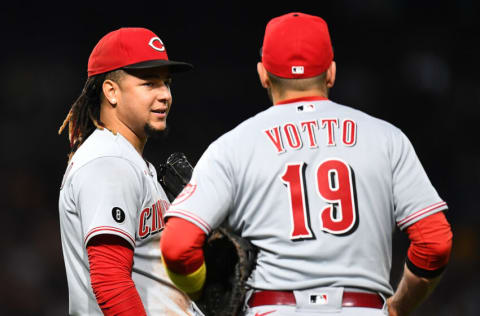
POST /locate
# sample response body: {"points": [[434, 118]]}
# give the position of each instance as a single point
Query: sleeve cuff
{"points": [[429, 274], [190, 283]]}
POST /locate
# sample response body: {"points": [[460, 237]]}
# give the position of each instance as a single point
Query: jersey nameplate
{"points": [[294, 135]]}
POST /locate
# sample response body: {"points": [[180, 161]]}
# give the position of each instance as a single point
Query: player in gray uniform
{"points": [[111, 205], [318, 188]]}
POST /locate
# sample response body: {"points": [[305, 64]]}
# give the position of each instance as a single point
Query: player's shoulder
{"points": [[367, 122], [103, 147], [360, 115]]}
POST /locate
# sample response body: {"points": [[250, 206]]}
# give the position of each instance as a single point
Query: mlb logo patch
{"points": [[297, 70], [319, 299], [306, 108]]}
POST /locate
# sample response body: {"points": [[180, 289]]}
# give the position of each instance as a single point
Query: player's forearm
{"points": [[411, 291], [111, 259], [428, 255]]}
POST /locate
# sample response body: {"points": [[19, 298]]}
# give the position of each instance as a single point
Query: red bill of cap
{"points": [[131, 48], [297, 45]]}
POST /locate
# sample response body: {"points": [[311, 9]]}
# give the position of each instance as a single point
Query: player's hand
{"points": [[393, 309]]}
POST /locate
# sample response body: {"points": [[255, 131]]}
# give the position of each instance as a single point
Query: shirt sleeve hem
{"points": [[418, 215], [111, 231], [194, 219]]}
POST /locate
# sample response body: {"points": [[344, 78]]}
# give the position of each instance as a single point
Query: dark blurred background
{"points": [[412, 63]]}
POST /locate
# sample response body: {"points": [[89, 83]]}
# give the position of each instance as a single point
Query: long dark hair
{"points": [[84, 115]]}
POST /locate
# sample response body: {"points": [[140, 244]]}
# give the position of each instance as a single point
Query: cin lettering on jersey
{"points": [[296, 135], [151, 219]]}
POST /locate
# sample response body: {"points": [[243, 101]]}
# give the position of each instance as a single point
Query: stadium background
{"points": [[413, 63]]}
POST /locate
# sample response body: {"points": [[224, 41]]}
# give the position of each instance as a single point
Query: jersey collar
{"points": [[314, 98]]}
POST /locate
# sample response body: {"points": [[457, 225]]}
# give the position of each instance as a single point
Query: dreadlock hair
{"points": [[84, 115]]}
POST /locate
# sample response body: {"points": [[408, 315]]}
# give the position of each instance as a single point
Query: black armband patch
{"points": [[429, 274]]}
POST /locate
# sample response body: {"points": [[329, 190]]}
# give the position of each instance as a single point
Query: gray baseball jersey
{"points": [[109, 188], [318, 187]]}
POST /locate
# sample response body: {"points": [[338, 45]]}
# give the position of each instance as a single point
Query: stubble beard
{"points": [[155, 133]]}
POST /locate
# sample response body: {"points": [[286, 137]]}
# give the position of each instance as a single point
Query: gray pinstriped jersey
{"points": [[318, 187]]}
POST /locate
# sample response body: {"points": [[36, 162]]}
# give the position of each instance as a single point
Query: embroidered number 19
{"points": [[335, 184]]}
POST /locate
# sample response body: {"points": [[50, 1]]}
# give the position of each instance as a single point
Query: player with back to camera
{"points": [[111, 204], [318, 188]]}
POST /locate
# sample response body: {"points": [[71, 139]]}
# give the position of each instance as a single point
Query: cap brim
{"points": [[173, 66]]}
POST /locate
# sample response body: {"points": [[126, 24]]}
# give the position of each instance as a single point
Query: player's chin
{"points": [[156, 130]]}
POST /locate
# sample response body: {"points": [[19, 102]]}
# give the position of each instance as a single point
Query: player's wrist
{"points": [[394, 309], [191, 284]]}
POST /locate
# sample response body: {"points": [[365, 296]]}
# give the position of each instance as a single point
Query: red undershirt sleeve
{"points": [[111, 260], [181, 245], [430, 247], [182, 255]]}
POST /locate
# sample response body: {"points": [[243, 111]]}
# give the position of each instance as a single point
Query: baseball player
{"points": [[318, 188], [111, 204]]}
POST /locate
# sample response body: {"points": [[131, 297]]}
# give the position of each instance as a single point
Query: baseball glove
{"points": [[174, 174], [229, 258]]}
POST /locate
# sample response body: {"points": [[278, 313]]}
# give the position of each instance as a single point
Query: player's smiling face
{"points": [[144, 100]]}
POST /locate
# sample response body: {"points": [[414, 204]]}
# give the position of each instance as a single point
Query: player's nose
{"points": [[164, 95]]}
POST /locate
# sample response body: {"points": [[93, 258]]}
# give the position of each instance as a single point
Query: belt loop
{"points": [[385, 307], [248, 295]]}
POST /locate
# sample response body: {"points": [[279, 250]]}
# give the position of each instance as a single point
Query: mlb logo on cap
{"points": [[297, 70], [297, 45]]}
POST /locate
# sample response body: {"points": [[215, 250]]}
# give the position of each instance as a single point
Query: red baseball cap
{"points": [[131, 48], [297, 45]]}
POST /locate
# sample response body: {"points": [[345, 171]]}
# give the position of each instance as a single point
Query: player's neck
{"points": [[295, 94], [138, 143], [113, 124]]}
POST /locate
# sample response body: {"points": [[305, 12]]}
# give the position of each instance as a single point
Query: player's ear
{"points": [[109, 88], [331, 73], [263, 75]]}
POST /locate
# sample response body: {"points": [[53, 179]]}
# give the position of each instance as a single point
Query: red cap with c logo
{"points": [[131, 48]]}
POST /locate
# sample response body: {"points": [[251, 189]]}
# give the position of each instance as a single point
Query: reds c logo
{"points": [[160, 47]]}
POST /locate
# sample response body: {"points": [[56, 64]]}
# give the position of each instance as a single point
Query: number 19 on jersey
{"points": [[335, 184]]}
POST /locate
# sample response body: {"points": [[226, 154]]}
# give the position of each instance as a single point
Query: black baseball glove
{"points": [[229, 258], [174, 174]]}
